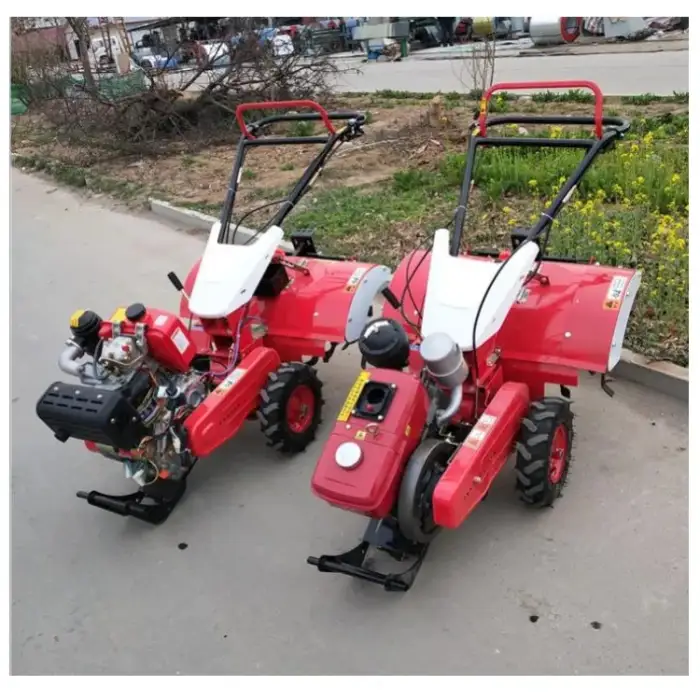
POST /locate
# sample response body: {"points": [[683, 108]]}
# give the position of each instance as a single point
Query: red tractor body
{"points": [[455, 370], [370, 488], [158, 390]]}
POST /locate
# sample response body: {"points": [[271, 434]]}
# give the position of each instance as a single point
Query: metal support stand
{"points": [[384, 535]]}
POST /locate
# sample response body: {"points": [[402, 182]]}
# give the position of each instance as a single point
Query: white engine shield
{"points": [[456, 287], [229, 274]]}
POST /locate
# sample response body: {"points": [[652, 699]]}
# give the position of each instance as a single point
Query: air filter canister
{"points": [[444, 360]]}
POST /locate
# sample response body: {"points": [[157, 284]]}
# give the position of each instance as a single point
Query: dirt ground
{"points": [[400, 134]]}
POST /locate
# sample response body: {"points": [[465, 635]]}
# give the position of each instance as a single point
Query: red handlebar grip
{"points": [[287, 104], [553, 84]]}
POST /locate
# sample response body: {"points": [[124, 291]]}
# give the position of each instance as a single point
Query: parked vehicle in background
{"points": [[214, 53], [282, 45]]}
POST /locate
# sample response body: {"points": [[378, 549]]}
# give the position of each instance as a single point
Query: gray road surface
{"points": [[659, 73], [93, 593]]}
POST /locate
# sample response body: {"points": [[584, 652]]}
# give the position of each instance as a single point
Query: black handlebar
{"points": [[358, 117], [615, 123]]}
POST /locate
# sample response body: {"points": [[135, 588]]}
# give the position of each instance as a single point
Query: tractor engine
{"points": [[136, 387]]}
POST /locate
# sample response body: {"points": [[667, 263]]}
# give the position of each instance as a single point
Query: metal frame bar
{"points": [[593, 147], [250, 139], [547, 84]]}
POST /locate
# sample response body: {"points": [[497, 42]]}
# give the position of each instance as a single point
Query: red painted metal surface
{"points": [[481, 456], [300, 409], [567, 323], [370, 488], [546, 85], [167, 337], [557, 454], [288, 104], [570, 36], [219, 417], [311, 312], [556, 330]]}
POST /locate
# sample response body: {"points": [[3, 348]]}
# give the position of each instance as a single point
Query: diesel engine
{"points": [[135, 387]]}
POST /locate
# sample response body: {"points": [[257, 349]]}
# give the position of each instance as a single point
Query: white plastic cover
{"points": [[457, 285], [229, 274]]}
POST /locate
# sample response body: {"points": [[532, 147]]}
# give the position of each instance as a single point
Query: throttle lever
{"points": [[391, 298]]}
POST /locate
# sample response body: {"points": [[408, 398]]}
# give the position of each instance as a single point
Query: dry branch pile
{"points": [[155, 110]]}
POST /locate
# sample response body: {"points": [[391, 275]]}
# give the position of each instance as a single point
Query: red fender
{"points": [[220, 416], [578, 319], [572, 316], [481, 456], [325, 301]]}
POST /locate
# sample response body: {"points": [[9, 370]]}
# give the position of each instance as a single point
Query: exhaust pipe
{"points": [[445, 362], [68, 359]]}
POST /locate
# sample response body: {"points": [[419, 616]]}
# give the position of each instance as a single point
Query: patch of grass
{"points": [[648, 170], [383, 224], [645, 99], [630, 209], [188, 161], [577, 96], [82, 178], [248, 174], [287, 166], [301, 128]]}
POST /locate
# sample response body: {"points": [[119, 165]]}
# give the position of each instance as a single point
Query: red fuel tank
{"points": [[362, 462], [168, 340]]}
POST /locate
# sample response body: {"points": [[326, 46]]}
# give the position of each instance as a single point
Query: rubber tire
{"points": [[532, 465], [428, 453], [273, 407]]}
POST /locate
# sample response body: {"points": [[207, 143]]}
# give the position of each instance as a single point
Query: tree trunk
{"points": [[79, 25]]}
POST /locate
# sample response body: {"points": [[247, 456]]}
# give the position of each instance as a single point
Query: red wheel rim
{"points": [[557, 454], [300, 409]]}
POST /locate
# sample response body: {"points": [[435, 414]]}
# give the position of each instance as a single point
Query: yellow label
{"points": [[119, 315], [75, 318], [482, 106], [360, 435], [353, 395], [407, 432]]}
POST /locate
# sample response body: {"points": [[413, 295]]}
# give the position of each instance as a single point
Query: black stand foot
{"points": [[385, 536], [163, 499]]}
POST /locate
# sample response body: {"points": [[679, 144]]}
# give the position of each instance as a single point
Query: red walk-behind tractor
{"points": [[454, 369], [159, 390]]}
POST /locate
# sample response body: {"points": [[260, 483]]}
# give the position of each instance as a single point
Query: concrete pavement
{"points": [[661, 73], [96, 594], [525, 47]]}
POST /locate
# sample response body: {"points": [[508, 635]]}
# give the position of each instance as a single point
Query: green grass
{"points": [[630, 209], [578, 96], [82, 178], [301, 128]]}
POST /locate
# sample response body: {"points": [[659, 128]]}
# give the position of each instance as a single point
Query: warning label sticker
{"points": [[480, 430], [181, 341], [354, 279], [230, 381], [353, 396], [613, 299]]}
